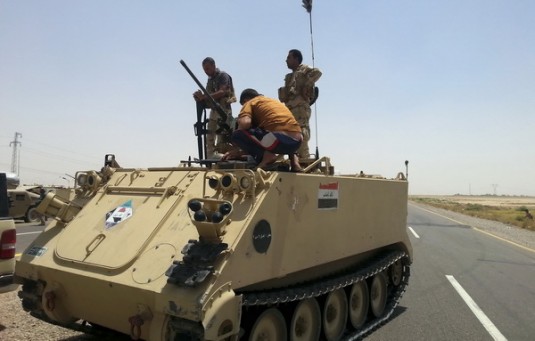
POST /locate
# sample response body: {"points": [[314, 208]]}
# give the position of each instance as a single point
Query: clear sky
{"points": [[447, 85]]}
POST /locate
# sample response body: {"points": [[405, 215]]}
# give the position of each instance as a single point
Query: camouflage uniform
{"points": [[297, 93], [217, 143]]}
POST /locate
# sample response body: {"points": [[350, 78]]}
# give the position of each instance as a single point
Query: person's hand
{"points": [[198, 95], [232, 154]]}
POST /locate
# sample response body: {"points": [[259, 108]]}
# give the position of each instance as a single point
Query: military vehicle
{"points": [[220, 250], [24, 200], [216, 253]]}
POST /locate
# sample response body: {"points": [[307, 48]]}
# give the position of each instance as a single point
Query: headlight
{"points": [[81, 179], [245, 183]]}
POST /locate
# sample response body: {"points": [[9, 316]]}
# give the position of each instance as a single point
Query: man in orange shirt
{"points": [[266, 127]]}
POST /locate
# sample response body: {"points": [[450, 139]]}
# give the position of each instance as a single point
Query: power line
{"points": [[90, 161], [42, 171], [63, 149], [57, 156]]}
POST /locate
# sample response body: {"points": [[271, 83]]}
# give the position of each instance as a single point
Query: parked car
{"points": [[8, 238]]}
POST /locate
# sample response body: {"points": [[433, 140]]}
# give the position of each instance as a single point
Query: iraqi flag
{"points": [[328, 196]]}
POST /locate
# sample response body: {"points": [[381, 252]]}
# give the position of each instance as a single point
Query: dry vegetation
{"points": [[517, 211]]}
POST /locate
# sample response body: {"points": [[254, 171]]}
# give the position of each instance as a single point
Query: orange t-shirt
{"points": [[269, 114]]}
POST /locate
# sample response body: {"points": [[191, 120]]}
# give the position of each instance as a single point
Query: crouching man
{"points": [[266, 128]]}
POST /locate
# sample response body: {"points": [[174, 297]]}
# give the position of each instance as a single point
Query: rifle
{"points": [[222, 122]]}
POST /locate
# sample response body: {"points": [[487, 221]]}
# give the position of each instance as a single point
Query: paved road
{"points": [[26, 233], [498, 276], [465, 285]]}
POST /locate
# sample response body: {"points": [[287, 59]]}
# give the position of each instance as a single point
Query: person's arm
{"points": [[199, 96], [221, 92], [223, 86], [244, 122], [313, 74]]}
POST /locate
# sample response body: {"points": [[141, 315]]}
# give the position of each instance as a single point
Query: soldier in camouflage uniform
{"points": [[220, 87], [298, 93]]}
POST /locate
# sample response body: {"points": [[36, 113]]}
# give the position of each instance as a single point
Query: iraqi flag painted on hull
{"points": [[328, 196]]}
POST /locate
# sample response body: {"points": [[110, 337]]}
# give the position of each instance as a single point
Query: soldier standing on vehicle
{"points": [[298, 94], [220, 87]]}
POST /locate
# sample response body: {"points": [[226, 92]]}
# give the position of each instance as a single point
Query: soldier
{"points": [[220, 87], [42, 195], [298, 94]]}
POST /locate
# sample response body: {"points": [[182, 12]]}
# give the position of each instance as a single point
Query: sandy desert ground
{"points": [[489, 200]]}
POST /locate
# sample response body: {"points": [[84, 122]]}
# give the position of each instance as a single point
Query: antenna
{"points": [[15, 157], [307, 4]]}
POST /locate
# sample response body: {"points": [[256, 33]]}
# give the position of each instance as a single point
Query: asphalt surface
{"points": [[26, 233], [464, 284], [498, 276]]}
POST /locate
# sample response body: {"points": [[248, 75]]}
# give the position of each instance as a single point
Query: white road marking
{"points": [[414, 232], [23, 233], [485, 321]]}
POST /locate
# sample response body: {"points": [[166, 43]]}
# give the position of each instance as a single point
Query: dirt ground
{"points": [[488, 200]]}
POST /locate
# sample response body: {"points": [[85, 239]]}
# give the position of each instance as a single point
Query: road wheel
{"points": [[359, 301], [306, 321], [378, 294], [269, 326], [335, 315], [32, 216], [396, 272]]}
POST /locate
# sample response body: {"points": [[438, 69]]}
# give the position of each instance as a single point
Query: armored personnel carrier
{"points": [[219, 250], [221, 253]]}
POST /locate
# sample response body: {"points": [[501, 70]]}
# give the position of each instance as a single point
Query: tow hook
{"points": [[136, 321], [135, 326], [50, 300]]}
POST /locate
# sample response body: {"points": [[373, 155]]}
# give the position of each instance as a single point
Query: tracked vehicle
{"points": [[213, 250], [215, 253]]}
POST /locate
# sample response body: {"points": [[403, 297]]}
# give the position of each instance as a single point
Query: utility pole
{"points": [[494, 186], [15, 157]]}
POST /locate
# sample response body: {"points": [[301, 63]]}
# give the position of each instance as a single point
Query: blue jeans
{"points": [[256, 141]]}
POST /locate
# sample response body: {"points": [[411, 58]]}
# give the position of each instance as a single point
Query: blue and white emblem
{"points": [[119, 214]]}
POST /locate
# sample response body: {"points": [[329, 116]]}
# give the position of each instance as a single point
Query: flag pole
{"points": [[307, 4]]}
